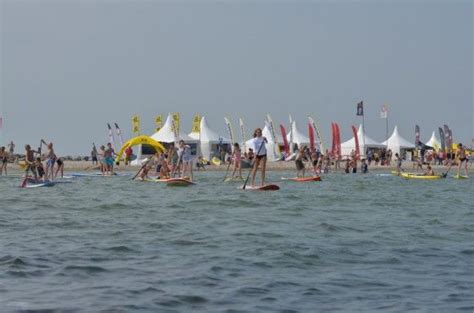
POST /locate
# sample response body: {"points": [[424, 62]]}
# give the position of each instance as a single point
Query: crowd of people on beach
{"points": [[177, 160]]}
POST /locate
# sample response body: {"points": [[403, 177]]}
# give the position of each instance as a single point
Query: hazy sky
{"points": [[69, 67]]}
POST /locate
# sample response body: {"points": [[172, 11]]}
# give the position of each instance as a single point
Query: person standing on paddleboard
{"points": [[259, 142], [30, 161], [50, 160], [462, 158], [109, 159], [237, 158], [3, 160], [186, 158], [300, 169], [399, 163]]}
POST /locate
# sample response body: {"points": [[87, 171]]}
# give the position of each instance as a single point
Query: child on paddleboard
{"points": [[237, 157], [259, 142], [40, 169]]}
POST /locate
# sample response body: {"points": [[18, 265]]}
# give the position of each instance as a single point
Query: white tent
{"points": [[167, 135], [208, 139], [434, 142], [396, 143], [298, 137], [365, 142]]}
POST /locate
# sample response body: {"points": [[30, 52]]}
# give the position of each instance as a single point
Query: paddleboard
{"points": [[233, 179], [419, 176], [37, 185], [303, 179], [175, 182], [460, 177], [268, 187], [97, 174]]}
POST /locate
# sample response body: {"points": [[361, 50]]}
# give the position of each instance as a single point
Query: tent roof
{"points": [[363, 141], [433, 142], [166, 133], [207, 134], [298, 137], [398, 141]]}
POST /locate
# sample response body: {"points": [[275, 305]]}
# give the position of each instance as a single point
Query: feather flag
{"points": [[291, 134], [417, 136], [338, 140], [311, 137], [356, 139], [231, 132], [441, 136], [319, 143], [242, 134], [333, 133], [119, 134], [272, 131], [136, 125], [446, 138], [111, 136], [285, 140]]}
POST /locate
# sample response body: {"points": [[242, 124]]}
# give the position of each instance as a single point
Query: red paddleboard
{"points": [[176, 182], [303, 179], [269, 187]]}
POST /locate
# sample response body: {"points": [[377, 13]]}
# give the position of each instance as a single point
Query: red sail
{"points": [[286, 147]]}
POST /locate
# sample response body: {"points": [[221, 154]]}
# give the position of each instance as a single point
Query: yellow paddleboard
{"points": [[419, 176]]}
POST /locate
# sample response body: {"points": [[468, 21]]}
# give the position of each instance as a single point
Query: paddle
{"points": [[227, 171], [253, 164], [444, 175], [141, 168]]}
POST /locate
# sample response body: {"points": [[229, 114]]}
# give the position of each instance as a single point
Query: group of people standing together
{"points": [[175, 161], [34, 163], [104, 158]]}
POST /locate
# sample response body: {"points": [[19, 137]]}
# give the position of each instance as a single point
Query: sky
{"points": [[69, 67]]}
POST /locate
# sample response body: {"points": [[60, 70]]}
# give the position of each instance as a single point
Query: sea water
{"points": [[349, 243]]}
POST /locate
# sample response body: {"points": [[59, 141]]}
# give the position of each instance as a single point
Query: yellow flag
{"points": [[136, 124], [196, 124], [159, 122], [175, 117]]}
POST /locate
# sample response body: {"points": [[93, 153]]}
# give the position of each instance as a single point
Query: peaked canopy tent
{"points": [[167, 135], [365, 142], [298, 137], [434, 142], [209, 140], [397, 143]]}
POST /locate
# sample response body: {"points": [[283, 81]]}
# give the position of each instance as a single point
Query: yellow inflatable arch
{"points": [[145, 140]]}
